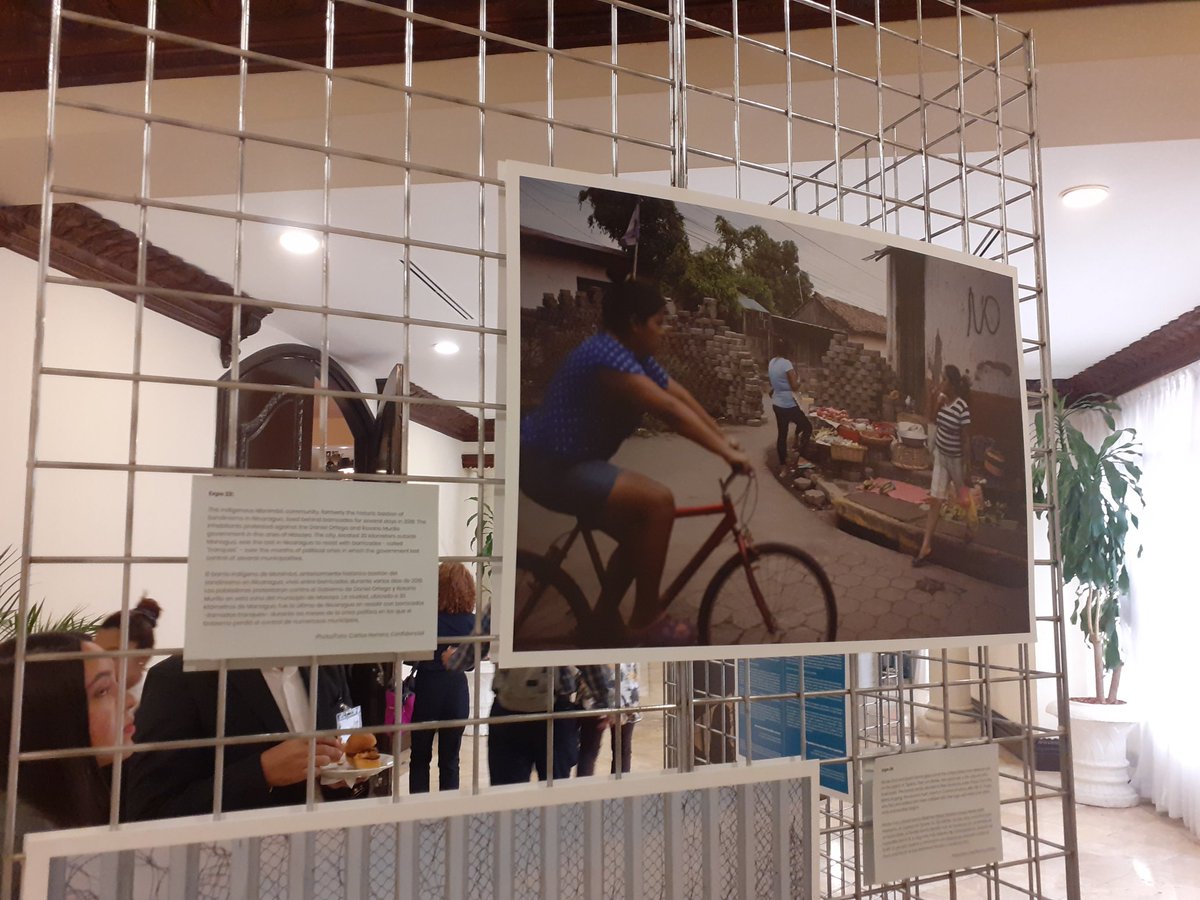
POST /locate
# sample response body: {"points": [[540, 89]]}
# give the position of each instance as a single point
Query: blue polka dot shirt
{"points": [[576, 420]]}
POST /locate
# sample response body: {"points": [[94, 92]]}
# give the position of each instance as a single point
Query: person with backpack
{"points": [[517, 749]]}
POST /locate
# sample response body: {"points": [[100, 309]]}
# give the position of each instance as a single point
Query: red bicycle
{"points": [[764, 593]]}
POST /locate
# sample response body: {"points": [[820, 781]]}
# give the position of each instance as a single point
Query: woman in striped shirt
{"points": [[951, 451]]}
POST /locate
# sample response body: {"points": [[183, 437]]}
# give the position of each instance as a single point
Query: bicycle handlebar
{"points": [[728, 480]]}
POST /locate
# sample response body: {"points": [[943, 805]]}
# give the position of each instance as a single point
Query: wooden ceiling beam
{"points": [[88, 246], [1161, 352], [295, 30]]}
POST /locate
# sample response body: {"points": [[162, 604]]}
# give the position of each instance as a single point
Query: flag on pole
{"points": [[634, 231]]}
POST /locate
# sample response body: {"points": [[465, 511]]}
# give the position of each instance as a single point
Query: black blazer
{"points": [[178, 705]]}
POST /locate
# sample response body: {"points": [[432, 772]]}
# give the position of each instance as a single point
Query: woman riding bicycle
{"points": [[594, 401]]}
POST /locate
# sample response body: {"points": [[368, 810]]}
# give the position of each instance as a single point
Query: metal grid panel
{"points": [[949, 156]]}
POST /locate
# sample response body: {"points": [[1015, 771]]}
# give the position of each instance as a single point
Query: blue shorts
{"points": [[578, 489]]}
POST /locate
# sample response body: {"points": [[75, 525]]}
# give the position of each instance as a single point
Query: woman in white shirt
{"points": [[784, 385]]}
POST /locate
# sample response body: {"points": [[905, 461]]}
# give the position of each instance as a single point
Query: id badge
{"points": [[349, 719]]}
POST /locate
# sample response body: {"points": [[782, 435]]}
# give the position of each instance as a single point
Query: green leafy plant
{"points": [[36, 617], [1098, 489], [482, 523], [483, 514]]}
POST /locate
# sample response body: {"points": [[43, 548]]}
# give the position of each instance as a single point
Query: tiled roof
{"points": [[858, 321], [1162, 351], [86, 245]]}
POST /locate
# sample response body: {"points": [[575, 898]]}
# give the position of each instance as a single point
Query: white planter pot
{"points": [[1098, 735]]}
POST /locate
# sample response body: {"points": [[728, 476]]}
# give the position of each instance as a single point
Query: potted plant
{"points": [[1098, 494], [36, 617]]}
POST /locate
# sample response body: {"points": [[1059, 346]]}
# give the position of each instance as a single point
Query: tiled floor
{"points": [[1125, 854]]}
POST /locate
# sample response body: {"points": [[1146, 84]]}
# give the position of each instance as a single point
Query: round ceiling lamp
{"points": [[300, 242], [1084, 195], [445, 348]]}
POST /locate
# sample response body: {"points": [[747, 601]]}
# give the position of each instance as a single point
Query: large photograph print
{"points": [[740, 431]]}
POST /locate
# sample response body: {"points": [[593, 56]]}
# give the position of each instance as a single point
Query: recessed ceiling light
{"points": [[298, 241], [1084, 195], [446, 348]]}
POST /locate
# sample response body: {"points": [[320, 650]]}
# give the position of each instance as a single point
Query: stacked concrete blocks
{"points": [[852, 378], [716, 365], [699, 351]]}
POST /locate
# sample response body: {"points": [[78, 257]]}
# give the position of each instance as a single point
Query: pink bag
{"points": [[408, 699]]}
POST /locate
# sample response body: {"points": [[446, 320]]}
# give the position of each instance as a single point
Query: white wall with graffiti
{"points": [[970, 322]]}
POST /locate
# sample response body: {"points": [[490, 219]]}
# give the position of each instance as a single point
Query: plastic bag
{"points": [[971, 500]]}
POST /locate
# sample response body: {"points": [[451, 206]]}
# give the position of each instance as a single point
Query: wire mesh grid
{"points": [[214, 877], [572, 851], [765, 861], [947, 153], [612, 834], [431, 859], [799, 861], [527, 853], [152, 872], [329, 864], [274, 866], [381, 861], [729, 832], [691, 822], [481, 873], [654, 847]]}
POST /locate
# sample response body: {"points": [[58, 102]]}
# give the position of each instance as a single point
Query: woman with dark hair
{"points": [[143, 619], [440, 692], [65, 704], [593, 403], [951, 450], [784, 387]]}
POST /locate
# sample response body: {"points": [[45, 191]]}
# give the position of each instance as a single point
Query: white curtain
{"points": [[1163, 656]]}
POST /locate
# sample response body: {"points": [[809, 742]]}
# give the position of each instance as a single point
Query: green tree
{"points": [[767, 270], [1098, 490], [709, 273], [662, 248]]}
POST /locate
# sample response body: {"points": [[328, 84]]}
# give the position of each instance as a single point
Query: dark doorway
{"points": [[275, 428]]}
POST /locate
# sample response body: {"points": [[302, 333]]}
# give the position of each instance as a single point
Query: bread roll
{"points": [[360, 742]]}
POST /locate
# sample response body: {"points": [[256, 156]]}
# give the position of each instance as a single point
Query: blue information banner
{"points": [[807, 726]]}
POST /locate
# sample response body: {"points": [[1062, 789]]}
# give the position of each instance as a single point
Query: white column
{"points": [[957, 703]]}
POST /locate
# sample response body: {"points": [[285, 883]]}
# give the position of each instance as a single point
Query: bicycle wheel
{"points": [[551, 613], [794, 588]]}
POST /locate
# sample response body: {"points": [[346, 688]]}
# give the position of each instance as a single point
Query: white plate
{"points": [[335, 771]]}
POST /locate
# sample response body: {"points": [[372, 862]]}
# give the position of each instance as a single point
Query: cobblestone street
{"points": [[880, 596]]}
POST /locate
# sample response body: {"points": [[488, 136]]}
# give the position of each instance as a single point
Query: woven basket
{"points": [[846, 453], [915, 459]]}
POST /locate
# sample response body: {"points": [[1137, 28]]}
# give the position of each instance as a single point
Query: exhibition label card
{"points": [[289, 569], [933, 811]]}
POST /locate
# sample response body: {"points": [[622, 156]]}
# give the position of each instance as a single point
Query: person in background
{"points": [[178, 706], [143, 619], [590, 738], [441, 694], [517, 749], [65, 705], [951, 450], [784, 386]]}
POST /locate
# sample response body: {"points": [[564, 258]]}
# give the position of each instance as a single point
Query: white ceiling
{"points": [[1119, 95], [1120, 270], [1114, 272]]}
